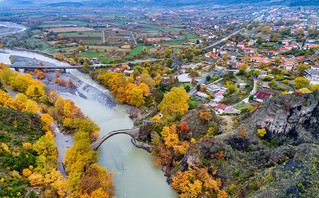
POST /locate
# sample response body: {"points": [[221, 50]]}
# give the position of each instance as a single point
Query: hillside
{"points": [[281, 163]]}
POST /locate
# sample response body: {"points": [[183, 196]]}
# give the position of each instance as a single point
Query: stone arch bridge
{"points": [[131, 132]]}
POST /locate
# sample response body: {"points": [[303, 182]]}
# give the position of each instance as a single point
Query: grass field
{"points": [[173, 30], [137, 50], [115, 15], [191, 36], [96, 54], [92, 42], [121, 22], [241, 106], [108, 48]]}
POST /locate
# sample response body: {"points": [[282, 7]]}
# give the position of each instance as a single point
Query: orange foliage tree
{"points": [[196, 182]]}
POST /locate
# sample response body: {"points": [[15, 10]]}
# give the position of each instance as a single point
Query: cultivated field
{"points": [[70, 29]]}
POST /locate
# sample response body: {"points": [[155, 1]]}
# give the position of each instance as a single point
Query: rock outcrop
{"points": [[283, 163]]}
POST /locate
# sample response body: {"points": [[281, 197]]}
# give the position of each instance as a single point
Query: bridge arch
{"points": [[131, 132]]}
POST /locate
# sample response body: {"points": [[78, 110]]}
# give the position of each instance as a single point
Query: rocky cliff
{"points": [[282, 163]]}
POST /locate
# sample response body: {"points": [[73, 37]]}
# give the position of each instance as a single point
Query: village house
{"points": [[312, 75], [231, 110], [219, 109], [184, 78], [251, 42], [202, 94], [213, 88], [259, 96]]}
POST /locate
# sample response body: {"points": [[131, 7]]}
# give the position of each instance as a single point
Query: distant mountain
{"points": [[154, 2]]}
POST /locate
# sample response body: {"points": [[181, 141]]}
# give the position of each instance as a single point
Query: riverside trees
{"points": [[37, 162], [125, 91]]}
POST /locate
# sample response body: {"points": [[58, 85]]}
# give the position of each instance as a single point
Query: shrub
{"points": [[261, 132], [26, 172], [60, 82]]}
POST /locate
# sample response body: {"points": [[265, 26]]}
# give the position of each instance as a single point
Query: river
{"points": [[134, 175]]}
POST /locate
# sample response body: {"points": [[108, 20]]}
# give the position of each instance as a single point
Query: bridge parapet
{"points": [[131, 132]]}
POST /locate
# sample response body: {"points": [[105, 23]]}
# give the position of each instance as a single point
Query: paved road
{"points": [[133, 38], [203, 80], [200, 82], [246, 100], [222, 40]]}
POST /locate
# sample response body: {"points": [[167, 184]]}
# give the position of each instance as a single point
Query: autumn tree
{"points": [[36, 179], [197, 182], [184, 127], [70, 83], [174, 103], [57, 74], [230, 87], [301, 82], [85, 67], [266, 30], [302, 68], [72, 61], [81, 48], [205, 116], [59, 37], [95, 178]]}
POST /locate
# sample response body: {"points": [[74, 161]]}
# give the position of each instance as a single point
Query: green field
{"points": [[173, 30], [97, 55], [191, 36], [121, 22], [92, 42], [137, 50], [173, 42], [115, 15], [107, 48], [241, 106]]}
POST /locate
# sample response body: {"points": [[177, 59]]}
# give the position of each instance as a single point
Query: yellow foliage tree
{"points": [[36, 179], [26, 172], [174, 103], [32, 107], [27, 146], [46, 121], [261, 132]]}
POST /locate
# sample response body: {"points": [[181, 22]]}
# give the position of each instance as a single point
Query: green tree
{"points": [[301, 69], [86, 67]]}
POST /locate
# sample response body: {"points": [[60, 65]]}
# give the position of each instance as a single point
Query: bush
{"points": [[267, 78], [60, 82], [237, 172], [191, 105], [187, 88]]}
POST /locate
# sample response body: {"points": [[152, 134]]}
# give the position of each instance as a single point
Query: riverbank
{"points": [[133, 172]]}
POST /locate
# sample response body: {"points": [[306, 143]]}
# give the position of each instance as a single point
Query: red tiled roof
{"points": [[220, 106], [262, 95]]}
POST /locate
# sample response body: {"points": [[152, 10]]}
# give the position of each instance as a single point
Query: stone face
{"points": [[285, 161], [283, 114]]}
